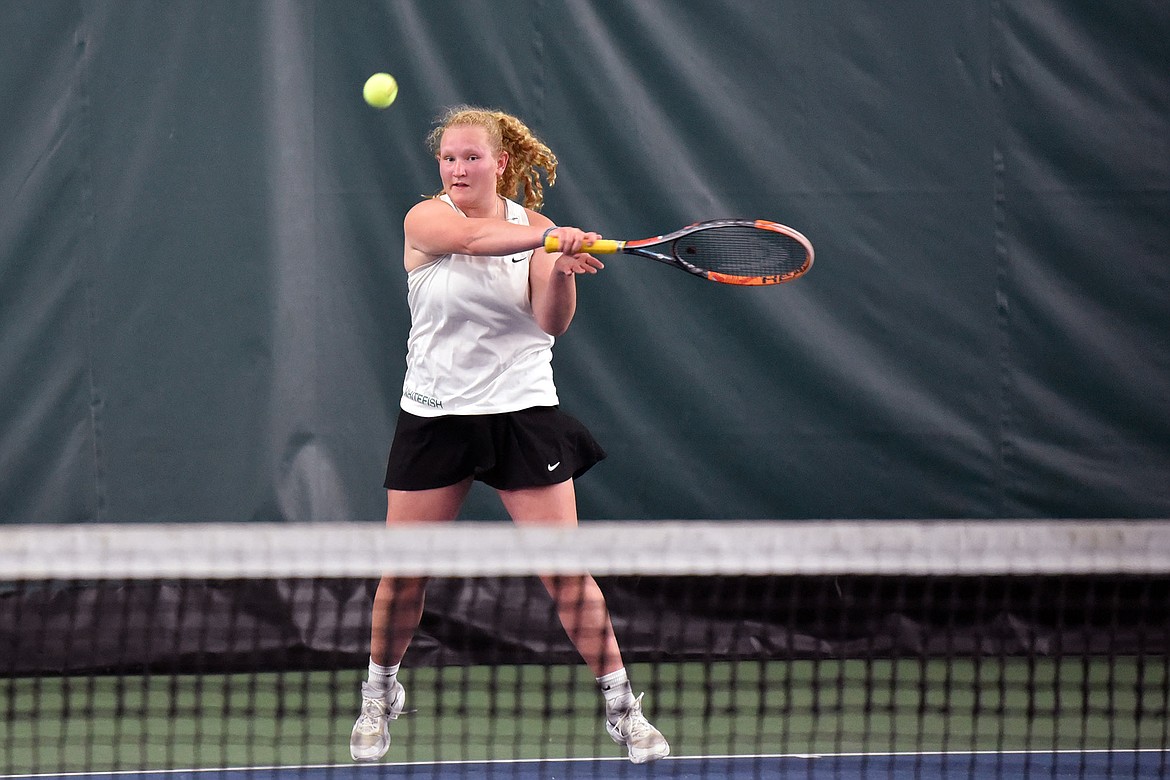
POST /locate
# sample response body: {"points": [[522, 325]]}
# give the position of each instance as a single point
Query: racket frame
{"points": [[642, 248]]}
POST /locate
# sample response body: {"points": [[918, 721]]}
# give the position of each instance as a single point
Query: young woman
{"points": [[478, 401]]}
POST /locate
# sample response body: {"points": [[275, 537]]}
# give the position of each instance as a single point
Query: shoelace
{"points": [[371, 712], [636, 723], [639, 727]]}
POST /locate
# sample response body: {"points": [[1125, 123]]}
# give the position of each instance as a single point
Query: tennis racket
{"points": [[728, 251]]}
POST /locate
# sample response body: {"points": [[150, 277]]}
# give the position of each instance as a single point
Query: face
{"points": [[468, 167]]}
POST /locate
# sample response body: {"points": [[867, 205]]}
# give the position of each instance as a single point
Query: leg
{"points": [[398, 602], [581, 607], [580, 603], [398, 606]]}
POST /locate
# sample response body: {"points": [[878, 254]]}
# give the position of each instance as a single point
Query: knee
{"points": [[401, 590], [574, 592]]}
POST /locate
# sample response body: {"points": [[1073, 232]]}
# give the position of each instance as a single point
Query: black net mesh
{"points": [[1006, 668]]}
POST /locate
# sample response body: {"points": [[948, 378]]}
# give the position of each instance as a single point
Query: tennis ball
{"points": [[380, 90]]}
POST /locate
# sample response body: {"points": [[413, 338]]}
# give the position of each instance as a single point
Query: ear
{"points": [[501, 163]]}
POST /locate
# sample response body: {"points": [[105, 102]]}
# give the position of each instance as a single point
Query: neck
{"points": [[492, 210]]}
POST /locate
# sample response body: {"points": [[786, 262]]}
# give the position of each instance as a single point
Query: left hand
{"points": [[583, 263]]}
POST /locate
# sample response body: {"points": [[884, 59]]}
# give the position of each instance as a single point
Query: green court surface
{"points": [[803, 707]]}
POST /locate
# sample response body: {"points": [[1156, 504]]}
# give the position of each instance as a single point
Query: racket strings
{"points": [[741, 250]]}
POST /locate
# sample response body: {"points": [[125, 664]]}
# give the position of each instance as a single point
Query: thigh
{"points": [[541, 446], [543, 505], [426, 506], [434, 452]]}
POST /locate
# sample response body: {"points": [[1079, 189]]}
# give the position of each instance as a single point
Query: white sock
{"points": [[619, 696], [382, 677]]}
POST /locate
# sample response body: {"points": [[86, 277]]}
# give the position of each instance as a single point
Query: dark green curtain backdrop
{"points": [[202, 304]]}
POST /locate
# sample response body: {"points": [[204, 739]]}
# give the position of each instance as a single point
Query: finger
{"points": [[589, 264], [564, 242]]}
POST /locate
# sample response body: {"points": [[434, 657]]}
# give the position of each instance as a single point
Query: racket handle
{"points": [[602, 246]]}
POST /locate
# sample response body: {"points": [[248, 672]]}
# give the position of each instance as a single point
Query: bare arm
{"points": [[552, 279], [433, 229]]}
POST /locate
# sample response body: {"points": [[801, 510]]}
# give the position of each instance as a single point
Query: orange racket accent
{"points": [[750, 281]]}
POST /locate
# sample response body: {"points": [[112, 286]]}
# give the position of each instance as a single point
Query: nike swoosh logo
{"points": [[520, 259], [552, 466]]}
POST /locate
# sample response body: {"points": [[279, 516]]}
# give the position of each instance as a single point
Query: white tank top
{"points": [[474, 345]]}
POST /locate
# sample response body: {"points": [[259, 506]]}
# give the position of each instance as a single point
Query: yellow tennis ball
{"points": [[380, 90]]}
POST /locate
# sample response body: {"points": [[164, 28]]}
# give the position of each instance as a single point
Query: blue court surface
{"points": [[1091, 765]]}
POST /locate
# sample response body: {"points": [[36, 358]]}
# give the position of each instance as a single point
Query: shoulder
{"points": [[431, 214], [432, 206], [424, 221], [536, 219]]}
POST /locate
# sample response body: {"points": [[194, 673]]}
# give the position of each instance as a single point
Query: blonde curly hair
{"points": [[527, 154]]}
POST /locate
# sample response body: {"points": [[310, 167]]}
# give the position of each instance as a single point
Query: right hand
{"points": [[571, 240]]}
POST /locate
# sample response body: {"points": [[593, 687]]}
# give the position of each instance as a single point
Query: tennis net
{"points": [[765, 649]]}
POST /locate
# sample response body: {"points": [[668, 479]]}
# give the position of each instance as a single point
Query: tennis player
{"points": [[478, 401]]}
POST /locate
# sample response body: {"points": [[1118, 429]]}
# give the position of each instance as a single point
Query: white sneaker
{"points": [[370, 738], [631, 729]]}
